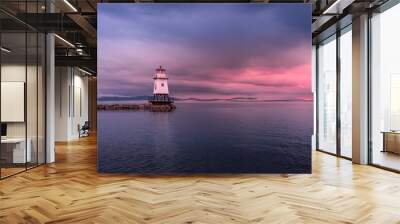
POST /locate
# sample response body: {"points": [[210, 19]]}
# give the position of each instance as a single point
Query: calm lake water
{"points": [[217, 137]]}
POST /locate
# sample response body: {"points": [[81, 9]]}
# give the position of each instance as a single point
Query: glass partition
{"points": [[14, 153], [385, 89], [22, 88], [327, 95], [32, 95]]}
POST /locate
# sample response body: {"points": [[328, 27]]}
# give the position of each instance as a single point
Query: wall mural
{"points": [[204, 88]]}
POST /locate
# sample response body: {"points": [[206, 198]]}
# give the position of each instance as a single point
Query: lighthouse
{"points": [[160, 90]]}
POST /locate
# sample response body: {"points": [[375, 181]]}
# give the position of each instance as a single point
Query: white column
{"points": [[360, 90], [50, 92], [50, 99]]}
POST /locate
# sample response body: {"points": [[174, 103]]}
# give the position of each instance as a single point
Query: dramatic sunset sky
{"points": [[260, 51]]}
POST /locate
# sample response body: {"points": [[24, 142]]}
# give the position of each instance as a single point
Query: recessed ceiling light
{"points": [[64, 40], [337, 7], [84, 71], [5, 50], [70, 5]]}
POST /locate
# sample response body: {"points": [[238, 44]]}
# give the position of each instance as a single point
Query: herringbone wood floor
{"points": [[71, 191]]}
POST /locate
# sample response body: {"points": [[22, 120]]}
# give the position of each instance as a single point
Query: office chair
{"points": [[84, 130]]}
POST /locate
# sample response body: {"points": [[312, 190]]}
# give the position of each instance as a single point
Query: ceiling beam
{"points": [[86, 27], [81, 61]]}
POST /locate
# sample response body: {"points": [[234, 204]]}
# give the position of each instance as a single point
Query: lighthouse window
{"points": [[162, 84]]}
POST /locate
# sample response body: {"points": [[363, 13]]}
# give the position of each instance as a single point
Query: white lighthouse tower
{"points": [[160, 91]]}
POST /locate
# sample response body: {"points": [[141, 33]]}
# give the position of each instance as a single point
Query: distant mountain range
{"points": [[122, 98], [237, 99]]}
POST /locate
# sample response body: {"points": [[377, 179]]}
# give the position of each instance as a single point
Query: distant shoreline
{"points": [[244, 100], [142, 106]]}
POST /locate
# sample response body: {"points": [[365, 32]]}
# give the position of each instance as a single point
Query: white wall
{"points": [[62, 82], [314, 91], [12, 73], [71, 102], [33, 126], [80, 112]]}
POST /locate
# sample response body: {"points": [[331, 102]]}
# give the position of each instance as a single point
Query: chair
{"points": [[84, 130]]}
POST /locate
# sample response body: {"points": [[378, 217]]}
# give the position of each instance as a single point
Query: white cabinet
{"points": [[19, 154]]}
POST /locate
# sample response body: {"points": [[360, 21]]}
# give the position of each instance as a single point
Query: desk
{"points": [[19, 154], [391, 141]]}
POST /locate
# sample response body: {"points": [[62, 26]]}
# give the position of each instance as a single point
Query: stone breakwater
{"points": [[147, 106]]}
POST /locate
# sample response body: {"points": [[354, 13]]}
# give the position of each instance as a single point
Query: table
{"points": [[391, 141], [19, 154]]}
